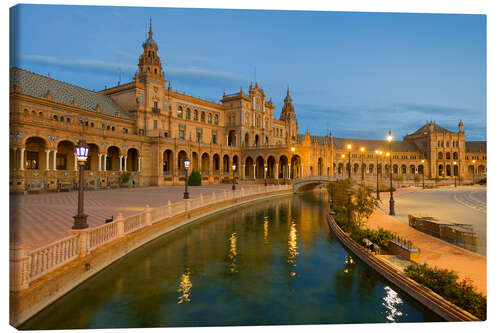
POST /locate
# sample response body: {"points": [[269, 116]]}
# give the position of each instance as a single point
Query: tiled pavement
{"points": [[40, 219]]}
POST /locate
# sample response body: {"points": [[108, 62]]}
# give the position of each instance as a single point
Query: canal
{"points": [[269, 263]]}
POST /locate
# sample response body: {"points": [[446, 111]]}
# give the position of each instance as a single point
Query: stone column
{"points": [[47, 152], [289, 167], [301, 171], [54, 152], [76, 162], [139, 164], [100, 158], [121, 164], [125, 163], [254, 175], [105, 162], [243, 173], [276, 175], [15, 157], [21, 167]]}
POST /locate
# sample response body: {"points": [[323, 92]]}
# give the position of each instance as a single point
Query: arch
{"points": [[412, 169], [455, 155], [202, 117], [448, 156], [481, 170], [395, 169], [249, 167], [256, 140], [195, 115], [455, 170], [93, 157], [188, 113], [440, 155], [320, 166], [132, 159], [470, 170], [181, 157], [296, 163], [225, 163], [168, 162], [205, 163], [35, 157], [404, 169], [448, 170], [247, 140], [231, 138], [371, 168], [387, 170], [216, 162], [440, 170], [271, 166], [179, 112], [259, 167], [421, 169], [340, 169], [283, 167], [356, 168], [113, 158]]}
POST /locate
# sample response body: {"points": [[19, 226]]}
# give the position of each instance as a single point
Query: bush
{"points": [[385, 188], [194, 178], [445, 283], [481, 181], [125, 177]]}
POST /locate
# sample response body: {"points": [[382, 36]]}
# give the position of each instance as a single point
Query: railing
{"points": [[26, 267]]}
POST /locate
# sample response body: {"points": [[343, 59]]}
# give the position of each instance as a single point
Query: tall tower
{"points": [[149, 61], [288, 116]]}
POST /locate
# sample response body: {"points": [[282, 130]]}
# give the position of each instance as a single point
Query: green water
{"points": [[274, 262]]}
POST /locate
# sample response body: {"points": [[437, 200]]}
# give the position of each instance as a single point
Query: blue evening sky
{"points": [[356, 74]]}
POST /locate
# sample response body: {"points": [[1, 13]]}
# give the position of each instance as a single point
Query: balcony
{"points": [[155, 109]]}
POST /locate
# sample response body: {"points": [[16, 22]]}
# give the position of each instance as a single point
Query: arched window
{"points": [[448, 156], [216, 119], [209, 118], [195, 115], [188, 113], [202, 116], [179, 112], [440, 156], [455, 155]]}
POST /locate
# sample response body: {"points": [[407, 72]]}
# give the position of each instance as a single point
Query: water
{"points": [[273, 262]]}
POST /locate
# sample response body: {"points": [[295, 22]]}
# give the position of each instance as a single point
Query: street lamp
{"points": [[234, 181], [391, 200], [423, 175], [186, 166], [343, 157], [265, 175], [80, 219], [473, 170], [362, 164], [378, 152], [349, 147], [455, 173]]}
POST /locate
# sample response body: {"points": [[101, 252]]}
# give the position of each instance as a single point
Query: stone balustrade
{"points": [[29, 266]]}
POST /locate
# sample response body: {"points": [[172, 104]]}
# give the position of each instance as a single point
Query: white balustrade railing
{"points": [[43, 260], [26, 267]]}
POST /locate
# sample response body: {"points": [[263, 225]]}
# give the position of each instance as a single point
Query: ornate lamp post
{"points": [[265, 175], [423, 175], [186, 166], [378, 152], [473, 170], [349, 147], [234, 179], [343, 157], [391, 200], [82, 151], [362, 163], [454, 164]]}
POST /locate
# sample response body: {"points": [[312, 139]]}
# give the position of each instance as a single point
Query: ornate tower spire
{"points": [[150, 29], [149, 61]]}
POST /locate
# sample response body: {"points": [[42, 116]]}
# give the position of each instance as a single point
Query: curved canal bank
{"points": [[272, 262]]}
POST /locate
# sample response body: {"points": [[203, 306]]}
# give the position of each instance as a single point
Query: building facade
{"points": [[146, 129]]}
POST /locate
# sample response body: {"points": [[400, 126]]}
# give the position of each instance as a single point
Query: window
{"points": [[125, 130], [141, 98], [214, 137], [179, 112], [32, 160], [165, 134], [202, 116], [165, 104], [155, 107], [188, 114], [68, 120], [155, 124], [91, 124], [182, 132], [108, 127], [209, 118], [62, 118], [112, 128], [216, 119], [199, 134], [61, 161], [195, 115]]}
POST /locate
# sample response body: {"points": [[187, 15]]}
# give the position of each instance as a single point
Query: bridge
{"points": [[307, 183]]}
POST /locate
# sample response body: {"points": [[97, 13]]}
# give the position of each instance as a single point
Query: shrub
{"points": [[194, 178], [125, 177], [445, 283], [481, 181]]}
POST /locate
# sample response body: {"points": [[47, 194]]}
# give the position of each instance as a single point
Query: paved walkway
{"points": [[39, 219], [436, 252]]}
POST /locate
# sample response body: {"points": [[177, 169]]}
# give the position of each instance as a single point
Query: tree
{"points": [[363, 205], [194, 178]]}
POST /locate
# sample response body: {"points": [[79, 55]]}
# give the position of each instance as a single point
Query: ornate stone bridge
{"points": [[307, 183]]}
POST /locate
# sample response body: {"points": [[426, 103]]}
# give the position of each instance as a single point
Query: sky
{"points": [[357, 75]]}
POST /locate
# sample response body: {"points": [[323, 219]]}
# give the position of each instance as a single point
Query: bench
{"points": [[35, 187], [64, 185]]}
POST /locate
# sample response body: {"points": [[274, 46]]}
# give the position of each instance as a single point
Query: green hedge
{"points": [[194, 178], [445, 283]]}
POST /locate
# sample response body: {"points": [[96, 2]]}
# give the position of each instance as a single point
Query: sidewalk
{"points": [[37, 220], [436, 252]]}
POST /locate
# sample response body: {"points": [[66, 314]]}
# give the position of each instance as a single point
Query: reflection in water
{"points": [[391, 300], [292, 245], [266, 229], [232, 252], [349, 264], [185, 288]]}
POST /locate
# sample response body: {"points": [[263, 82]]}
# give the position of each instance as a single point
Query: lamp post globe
{"points": [[234, 179], [82, 151], [187, 163], [391, 200]]}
